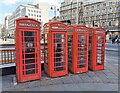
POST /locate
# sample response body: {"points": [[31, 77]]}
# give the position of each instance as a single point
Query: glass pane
{"points": [[81, 66], [29, 55], [29, 33], [59, 69], [59, 35], [29, 50], [29, 61], [29, 39], [59, 64], [30, 71], [59, 59], [59, 45], [70, 38], [30, 66], [100, 39]]}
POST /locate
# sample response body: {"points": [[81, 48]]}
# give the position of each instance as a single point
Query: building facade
{"points": [[1, 27], [73, 10], [68, 10], [32, 11], [54, 19], [6, 25], [101, 14]]}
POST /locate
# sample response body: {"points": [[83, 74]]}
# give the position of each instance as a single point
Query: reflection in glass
{"points": [[70, 38], [59, 49], [29, 33]]}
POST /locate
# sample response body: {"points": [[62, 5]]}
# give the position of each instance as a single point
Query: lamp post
{"points": [[71, 11], [53, 7], [77, 12]]}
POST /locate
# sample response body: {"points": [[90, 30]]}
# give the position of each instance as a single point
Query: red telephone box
{"points": [[28, 66], [96, 48], [78, 37], [55, 49]]}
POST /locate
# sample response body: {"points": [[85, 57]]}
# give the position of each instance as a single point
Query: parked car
{"points": [[114, 38], [117, 40]]}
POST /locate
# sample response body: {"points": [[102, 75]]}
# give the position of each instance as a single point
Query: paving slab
{"points": [[46, 82], [7, 81], [85, 77], [67, 80], [48, 88], [56, 81], [114, 87], [77, 79], [111, 75], [102, 87]]}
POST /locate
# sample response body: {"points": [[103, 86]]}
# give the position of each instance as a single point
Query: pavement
{"points": [[9, 41], [112, 47], [104, 80]]}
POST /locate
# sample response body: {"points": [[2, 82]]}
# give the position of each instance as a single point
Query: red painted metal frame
{"points": [[20, 47], [72, 30], [49, 30], [94, 33]]}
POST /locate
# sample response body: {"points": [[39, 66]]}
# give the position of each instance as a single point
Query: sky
{"points": [[9, 6]]}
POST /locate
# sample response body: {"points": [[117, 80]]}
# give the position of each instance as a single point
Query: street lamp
{"points": [[71, 10], [53, 7]]}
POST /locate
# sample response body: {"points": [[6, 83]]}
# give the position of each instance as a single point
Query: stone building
{"points": [[100, 14]]}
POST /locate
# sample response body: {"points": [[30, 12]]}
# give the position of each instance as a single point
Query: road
{"points": [[110, 46]]}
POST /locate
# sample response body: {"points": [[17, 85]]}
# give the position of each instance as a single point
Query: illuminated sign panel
{"points": [[58, 27], [27, 24]]}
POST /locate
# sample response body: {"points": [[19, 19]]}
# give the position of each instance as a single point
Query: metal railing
{"points": [[7, 53], [7, 56]]}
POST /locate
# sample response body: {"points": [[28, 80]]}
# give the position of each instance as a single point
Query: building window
{"points": [[34, 14], [117, 9], [110, 10], [92, 7], [39, 12], [28, 10], [87, 8], [34, 11], [98, 6], [31, 10], [110, 23], [110, 16], [104, 16], [86, 13], [98, 12], [74, 16], [103, 24], [117, 15], [28, 14], [92, 12], [39, 15], [104, 4], [103, 11], [31, 14], [118, 2], [97, 17], [110, 3]]}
